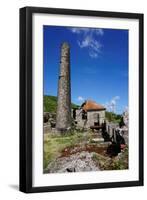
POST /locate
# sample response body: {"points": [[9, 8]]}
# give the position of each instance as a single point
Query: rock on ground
{"points": [[79, 162]]}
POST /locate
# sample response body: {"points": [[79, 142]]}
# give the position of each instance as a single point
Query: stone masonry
{"points": [[63, 118]]}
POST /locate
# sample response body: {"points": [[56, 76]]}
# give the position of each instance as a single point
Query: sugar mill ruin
{"points": [[90, 116]]}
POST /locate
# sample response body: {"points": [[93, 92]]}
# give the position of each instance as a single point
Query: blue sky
{"points": [[99, 64]]}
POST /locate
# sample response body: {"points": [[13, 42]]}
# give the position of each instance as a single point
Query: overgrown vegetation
{"points": [[119, 162], [50, 104], [54, 144], [112, 117]]}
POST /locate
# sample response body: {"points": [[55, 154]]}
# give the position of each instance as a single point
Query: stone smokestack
{"points": [[63, 119]]}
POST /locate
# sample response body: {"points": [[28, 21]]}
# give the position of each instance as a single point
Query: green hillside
{"points": [[50, 104], [113, 117]]}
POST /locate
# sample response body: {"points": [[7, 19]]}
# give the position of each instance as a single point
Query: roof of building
{"points": [[90, 105]]}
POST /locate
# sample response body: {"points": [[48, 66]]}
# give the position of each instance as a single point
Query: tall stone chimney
{"points": [[63, 118]]}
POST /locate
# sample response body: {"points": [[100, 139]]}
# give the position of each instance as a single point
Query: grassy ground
{"points": [[54, 144]]}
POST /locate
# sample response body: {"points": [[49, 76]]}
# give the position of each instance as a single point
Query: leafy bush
{"points": [[112, 117]]}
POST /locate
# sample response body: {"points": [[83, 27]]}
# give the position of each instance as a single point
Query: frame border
{"points": [[25, 99]]}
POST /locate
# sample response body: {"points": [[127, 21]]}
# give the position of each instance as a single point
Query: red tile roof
{"points": [[92, 105]]}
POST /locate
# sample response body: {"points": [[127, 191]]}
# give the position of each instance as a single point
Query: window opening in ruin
{"points": [[84, 115]]}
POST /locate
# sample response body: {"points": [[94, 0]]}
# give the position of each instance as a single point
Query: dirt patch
{"points": [[88, 148]]}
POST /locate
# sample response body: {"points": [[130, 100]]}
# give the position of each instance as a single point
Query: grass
{"points": [[54, 144]]}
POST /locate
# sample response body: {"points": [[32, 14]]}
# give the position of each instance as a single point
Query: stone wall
{"points": [[92, 117], [95, 117], [112, 127], [80, 122]]}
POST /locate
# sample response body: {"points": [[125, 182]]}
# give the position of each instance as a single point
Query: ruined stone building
{"points": [[89, 114], [126, 118]]}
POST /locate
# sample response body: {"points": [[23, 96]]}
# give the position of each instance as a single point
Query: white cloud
{"points": [[126, 109], [80, 98], [111, 105], [97, 31], [87, 39], [92, 54], [116, 97], [79, 30], [85, 42]]}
